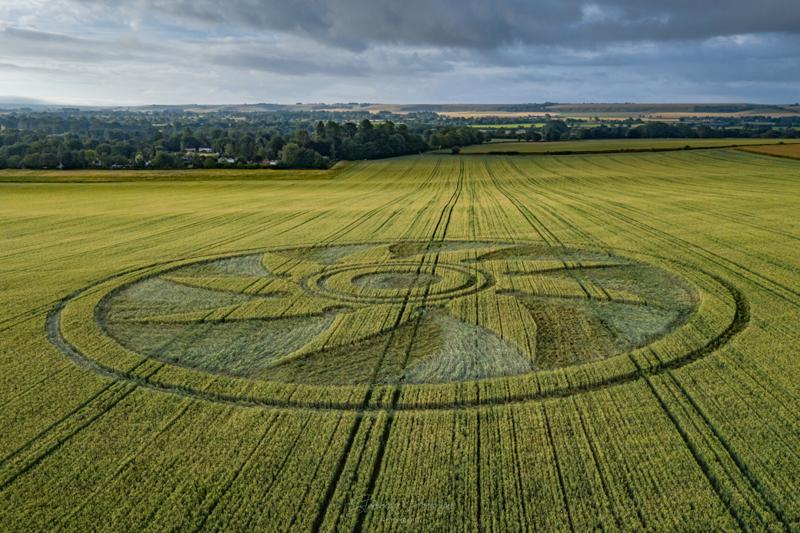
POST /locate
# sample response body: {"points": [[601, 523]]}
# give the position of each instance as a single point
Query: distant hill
{"points": [[19, 102], [667, 111], [556, 109]]}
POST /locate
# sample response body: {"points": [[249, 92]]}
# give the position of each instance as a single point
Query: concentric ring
{"points": [[341, 283]]}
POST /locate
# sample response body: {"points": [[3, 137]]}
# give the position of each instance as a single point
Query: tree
{"points": [[302, 137], [295, 156], [349, 129], [164, 160], [554, 130], [188, 140], [274, 146], [532, 135], [365, 126], [320, 131]]}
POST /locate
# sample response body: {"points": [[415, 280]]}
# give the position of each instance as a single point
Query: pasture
{"points": [[429, 342]]}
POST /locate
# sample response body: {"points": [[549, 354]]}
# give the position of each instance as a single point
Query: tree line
{"points": [[561, 130], [174, 140], [178, 139]]}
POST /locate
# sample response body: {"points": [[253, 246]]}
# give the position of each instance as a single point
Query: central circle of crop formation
{"points": [[404, 314], [397, 281]]}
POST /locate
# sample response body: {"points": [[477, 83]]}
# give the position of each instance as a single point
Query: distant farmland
{"points": [[435, 342], [790, 150], [614, 145]]}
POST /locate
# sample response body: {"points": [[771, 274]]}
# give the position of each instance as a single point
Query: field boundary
{"points": [[188, 175]]}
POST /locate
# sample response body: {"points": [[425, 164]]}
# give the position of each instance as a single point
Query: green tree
{"points": [[295, 156], [164, 160]]}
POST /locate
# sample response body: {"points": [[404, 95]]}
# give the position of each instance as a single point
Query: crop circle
{"points": [[345, 322]]}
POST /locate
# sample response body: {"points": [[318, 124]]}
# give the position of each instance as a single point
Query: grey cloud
{"points": [[363, 65], [357, 24], [323, 50], [288, 56], [286, 64], [20, 42]]}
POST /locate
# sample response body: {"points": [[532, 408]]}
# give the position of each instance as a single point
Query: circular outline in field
{"points": [[534, 386], [475, 280]]}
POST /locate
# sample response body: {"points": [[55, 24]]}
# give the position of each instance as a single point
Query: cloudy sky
{"points": [[477, 51]]}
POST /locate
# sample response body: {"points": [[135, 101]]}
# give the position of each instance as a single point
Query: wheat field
{"points": [[432, 342]]}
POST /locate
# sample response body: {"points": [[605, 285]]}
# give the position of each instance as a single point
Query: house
{"points": [[201, 152]]}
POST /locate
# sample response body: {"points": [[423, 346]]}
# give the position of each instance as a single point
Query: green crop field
{"points": [[613, 145], [586, 342]]}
